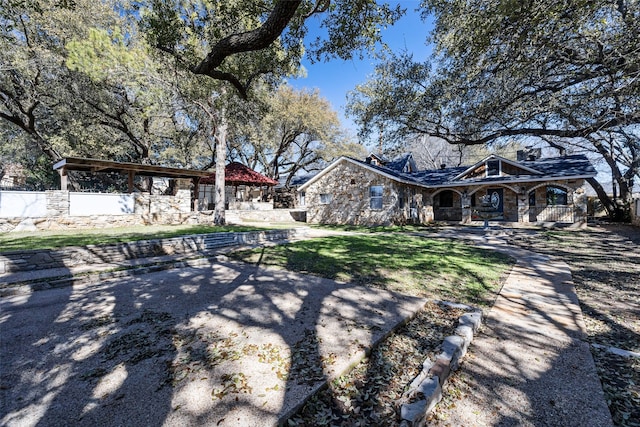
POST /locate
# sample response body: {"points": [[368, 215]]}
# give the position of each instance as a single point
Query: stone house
{"points": [[376, 191]]}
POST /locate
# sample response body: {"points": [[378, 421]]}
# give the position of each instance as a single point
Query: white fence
{"points": [[23, 204], [87, 204]]}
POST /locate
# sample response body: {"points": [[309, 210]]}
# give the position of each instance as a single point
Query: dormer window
{"points": [[493, 167]]}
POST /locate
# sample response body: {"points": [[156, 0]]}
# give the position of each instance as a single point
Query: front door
{"points": [[496, 196]]}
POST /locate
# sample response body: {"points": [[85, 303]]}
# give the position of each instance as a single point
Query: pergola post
{"points": [[64, 179], [195, 199]]}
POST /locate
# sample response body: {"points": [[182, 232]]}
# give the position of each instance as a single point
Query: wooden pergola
{"points": [[131, 169]]}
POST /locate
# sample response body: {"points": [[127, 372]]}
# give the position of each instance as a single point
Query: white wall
{"points": [[86, 204], [23, 204]]}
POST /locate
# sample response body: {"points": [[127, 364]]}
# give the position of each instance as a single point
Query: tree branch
{"points": [[249, 41]]}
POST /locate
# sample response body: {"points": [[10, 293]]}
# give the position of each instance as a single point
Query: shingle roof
{"points": [[400, 162], [575, 165], [559, 167], [238, 174], [296, 181], [568, 167]]}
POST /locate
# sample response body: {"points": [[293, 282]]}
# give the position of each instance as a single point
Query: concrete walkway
{"points": [[530, 366]]}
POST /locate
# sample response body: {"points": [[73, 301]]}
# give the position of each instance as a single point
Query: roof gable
{"points": [[505, 167], [403, 163]]}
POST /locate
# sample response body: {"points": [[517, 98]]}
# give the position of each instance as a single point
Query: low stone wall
{"points": [[113, 221], [19, 261], [97, 221]]}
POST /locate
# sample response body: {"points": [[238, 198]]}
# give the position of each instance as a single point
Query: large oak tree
{"points": [[565, 73], [239, 42]]}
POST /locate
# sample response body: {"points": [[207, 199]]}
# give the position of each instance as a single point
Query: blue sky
{"points": [[337, 77]]}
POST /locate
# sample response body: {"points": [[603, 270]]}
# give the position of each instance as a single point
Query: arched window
{"points": [[556, 195]]}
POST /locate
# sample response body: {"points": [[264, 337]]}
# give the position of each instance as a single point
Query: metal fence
{"points": [[552, 213]]}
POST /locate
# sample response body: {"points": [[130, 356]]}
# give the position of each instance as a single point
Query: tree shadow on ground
{"points": [[212, 345]]}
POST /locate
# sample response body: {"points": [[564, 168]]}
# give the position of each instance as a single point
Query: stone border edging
{"points": [[617, 351], [425, 391]]}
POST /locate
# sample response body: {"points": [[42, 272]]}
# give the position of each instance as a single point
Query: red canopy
{"points": [[238, 174]]}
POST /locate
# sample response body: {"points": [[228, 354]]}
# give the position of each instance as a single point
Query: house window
{"points": [[493, 167], [401, 198], [446, 199], [325, 198], [375, 194], [302, 195], [556, 195]]}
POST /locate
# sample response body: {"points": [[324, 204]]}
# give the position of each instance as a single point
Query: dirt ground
{"points": [[605, 263]]}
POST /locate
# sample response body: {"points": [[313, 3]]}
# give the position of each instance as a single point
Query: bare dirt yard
{"points": [[605, 263]]}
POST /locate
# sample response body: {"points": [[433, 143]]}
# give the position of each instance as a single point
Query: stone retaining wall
{"points": [[30, 260]]}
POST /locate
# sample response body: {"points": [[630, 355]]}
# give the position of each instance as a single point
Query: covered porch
{"points": [[526, 203]]}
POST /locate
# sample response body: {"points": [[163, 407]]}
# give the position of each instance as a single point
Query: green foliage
{"points": [[296, 130], [103, 56], [83, 82]]}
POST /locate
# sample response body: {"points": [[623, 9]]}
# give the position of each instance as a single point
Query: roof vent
{"points": [[442, 166]]}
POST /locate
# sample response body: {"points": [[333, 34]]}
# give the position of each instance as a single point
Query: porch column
{"points": [[523, 205], [466, 207]]}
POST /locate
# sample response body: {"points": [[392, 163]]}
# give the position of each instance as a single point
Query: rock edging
{"points": [[425, 391]]}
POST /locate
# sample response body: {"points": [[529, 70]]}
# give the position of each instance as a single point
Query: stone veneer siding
{"points": [[349, 187]]}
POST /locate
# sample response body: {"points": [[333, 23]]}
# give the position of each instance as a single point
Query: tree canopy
{"points": [[565, 73], [238, 40], [87, 79]]}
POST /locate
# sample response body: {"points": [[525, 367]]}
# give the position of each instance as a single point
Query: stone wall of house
{"points": [[510, 205], [348, 187]]}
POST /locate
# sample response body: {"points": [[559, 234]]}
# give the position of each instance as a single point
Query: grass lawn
{"points": [[61, 238], [433, 268]]}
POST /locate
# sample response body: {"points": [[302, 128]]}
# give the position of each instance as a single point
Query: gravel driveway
{"points": [[224, 344]]}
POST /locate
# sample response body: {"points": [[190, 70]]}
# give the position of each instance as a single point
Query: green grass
{"points": [[58, 239], [434, 268]]}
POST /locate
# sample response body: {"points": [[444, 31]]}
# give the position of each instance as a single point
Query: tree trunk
{"points": [[221, 159], [618, 212]]}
